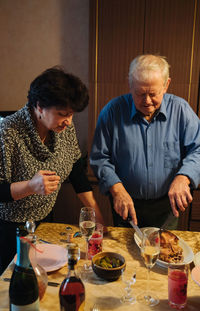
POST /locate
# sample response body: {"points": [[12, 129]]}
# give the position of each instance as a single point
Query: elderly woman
{"points": [[38, 152]]}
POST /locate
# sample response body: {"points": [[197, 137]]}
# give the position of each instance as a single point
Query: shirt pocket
{"points": [[171, 154]]}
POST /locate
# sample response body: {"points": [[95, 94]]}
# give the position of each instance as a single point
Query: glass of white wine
{"points": [[87, 226], [150, 250]]}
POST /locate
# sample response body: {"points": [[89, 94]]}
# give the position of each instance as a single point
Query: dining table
{"points": [[101, 294]]}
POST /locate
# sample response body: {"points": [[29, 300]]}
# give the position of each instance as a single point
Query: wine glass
{"points": [[87, 226], [128, 278], [150, 250]]}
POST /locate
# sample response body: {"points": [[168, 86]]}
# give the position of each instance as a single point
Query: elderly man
{"points": [[146, 148]]}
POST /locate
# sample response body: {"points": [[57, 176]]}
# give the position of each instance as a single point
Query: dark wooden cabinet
{"points": [[194, 218], [67, 207]]}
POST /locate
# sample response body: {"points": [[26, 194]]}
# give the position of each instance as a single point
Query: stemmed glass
{"points": [[150, 250], [87, 226], [129, 278]]}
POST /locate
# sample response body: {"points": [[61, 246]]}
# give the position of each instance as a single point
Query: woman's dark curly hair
{"points": [[56, 88]]}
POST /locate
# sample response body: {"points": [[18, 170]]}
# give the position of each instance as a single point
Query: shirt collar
{"points": [[162, 111]]}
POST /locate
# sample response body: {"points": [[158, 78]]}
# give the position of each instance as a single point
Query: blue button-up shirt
{"points": [[145, 156]]}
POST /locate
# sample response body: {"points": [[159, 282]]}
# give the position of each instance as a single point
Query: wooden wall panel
{"points": [[195, 213], [195, 226], [169, 32], [183, 223], [196, 61], [119, 44], [68, 205], [116, 37]]}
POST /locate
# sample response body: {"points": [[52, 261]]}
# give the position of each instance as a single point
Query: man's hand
{"points": [[179, 194], [44, 182], [123, 203]]}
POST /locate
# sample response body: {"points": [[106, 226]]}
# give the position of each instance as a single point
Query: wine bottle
{"points": [[72, 290], [23, 290]]}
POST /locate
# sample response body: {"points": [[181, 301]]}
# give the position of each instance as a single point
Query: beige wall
{"points": [[35, 35]]}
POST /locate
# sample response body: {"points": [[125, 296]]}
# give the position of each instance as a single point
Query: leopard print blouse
{"points": [[22, 155]]}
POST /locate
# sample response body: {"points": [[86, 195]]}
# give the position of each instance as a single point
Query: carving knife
{"points": [[137, 229]]}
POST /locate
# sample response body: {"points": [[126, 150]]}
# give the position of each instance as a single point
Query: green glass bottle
{"points": [[23, 290]]}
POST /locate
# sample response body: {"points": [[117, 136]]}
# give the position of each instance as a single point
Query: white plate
{"points": [[197, 259], [196, 275], [52, 257], [188, 254]]}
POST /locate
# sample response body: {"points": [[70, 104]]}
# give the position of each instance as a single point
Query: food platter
{"points": [[188, 254]]}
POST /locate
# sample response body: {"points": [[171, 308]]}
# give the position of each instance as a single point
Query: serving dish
{"points": [[109, 274], [188, 254]]}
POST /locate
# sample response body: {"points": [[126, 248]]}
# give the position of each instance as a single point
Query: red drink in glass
{"points": [[177, 287], [95, 243]]}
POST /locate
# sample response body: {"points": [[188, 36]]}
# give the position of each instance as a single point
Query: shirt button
{"points": [[150, 164]]}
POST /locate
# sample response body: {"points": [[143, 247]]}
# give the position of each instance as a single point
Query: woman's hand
{"points": [[44, 182]]}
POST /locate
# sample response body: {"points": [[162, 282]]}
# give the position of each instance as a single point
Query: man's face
{"points": [[148, 95]]}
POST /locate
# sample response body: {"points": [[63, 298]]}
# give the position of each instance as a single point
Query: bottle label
{"points": [[32, 307]]}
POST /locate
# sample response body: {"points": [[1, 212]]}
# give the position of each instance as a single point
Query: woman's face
{"points": [[55, 119]]}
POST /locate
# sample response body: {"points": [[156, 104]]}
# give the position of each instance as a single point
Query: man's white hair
{"points": [[143, 66]]}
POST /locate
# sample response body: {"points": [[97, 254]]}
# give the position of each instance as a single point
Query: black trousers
{"points": [[8, 240], [150, 213]]}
